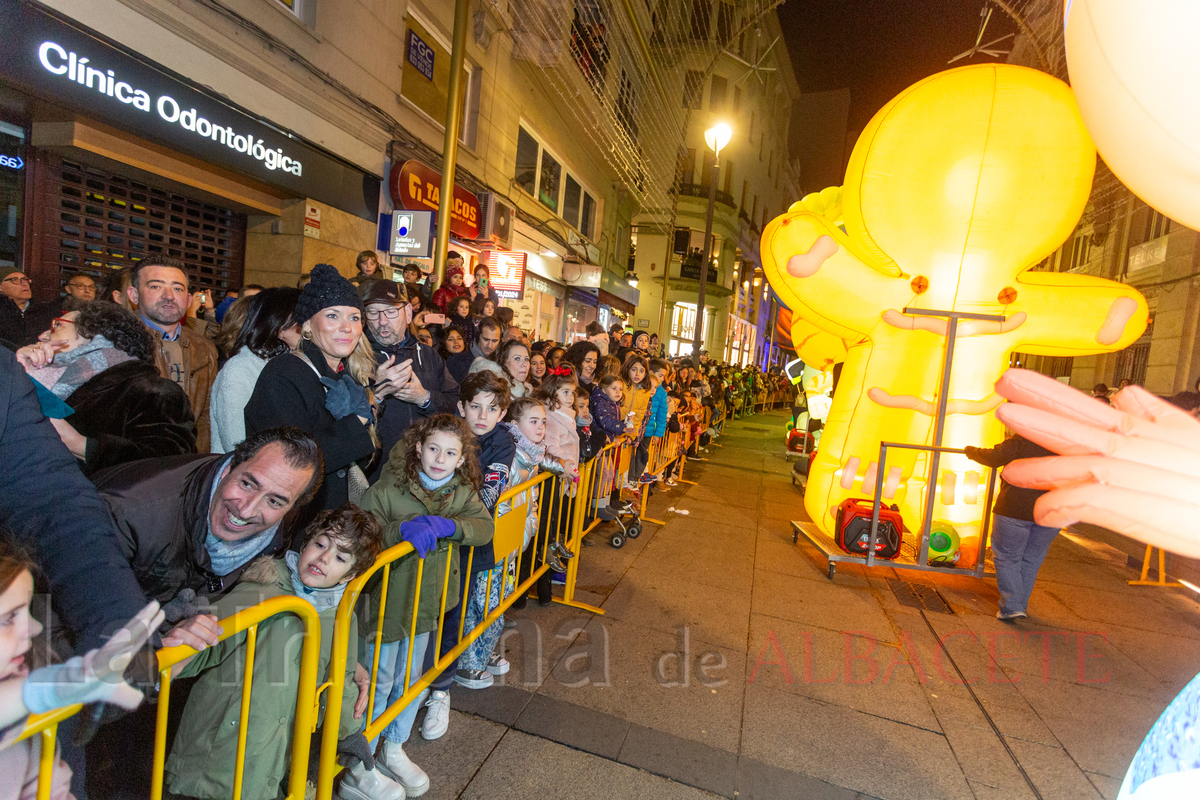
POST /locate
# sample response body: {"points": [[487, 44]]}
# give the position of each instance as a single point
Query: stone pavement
{"points": [[728, 664]]}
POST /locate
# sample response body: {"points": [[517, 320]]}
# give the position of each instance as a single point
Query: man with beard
{"points": [[412, 381], [159, 291]]}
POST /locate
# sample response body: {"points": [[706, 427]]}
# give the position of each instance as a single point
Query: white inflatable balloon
{"points": [[1135, 72]]}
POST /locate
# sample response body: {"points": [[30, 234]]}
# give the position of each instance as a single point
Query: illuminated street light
{"points": [[716, 138]]}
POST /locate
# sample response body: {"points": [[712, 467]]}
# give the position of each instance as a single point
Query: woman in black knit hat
{"points": [[321, 388]]}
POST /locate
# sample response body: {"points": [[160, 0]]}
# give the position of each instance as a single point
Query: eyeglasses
{"points": [[391, 313], [16, 279], [58, 322]]}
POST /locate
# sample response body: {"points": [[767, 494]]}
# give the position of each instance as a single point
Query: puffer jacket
{"points": [[636, 400], [656, 424], [447, 292], [528, 459], [395, 416], [205, 748], [160, 508], [394, 499], [606, 414], [562, 439]]}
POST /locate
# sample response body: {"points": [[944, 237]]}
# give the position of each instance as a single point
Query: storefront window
{"points": [[579, 316], [12, 192], [683, 328], [548, 189]]}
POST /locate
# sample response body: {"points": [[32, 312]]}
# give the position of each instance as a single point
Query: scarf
{"points": [[70, 370], [321, 599], [430, 484], [228, 556], [534, 453]]}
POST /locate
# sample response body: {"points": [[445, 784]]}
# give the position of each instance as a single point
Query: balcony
{"points": [[701, 191]]}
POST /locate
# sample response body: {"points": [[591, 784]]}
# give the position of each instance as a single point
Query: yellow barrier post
{"points": [[249, 620], [1162, 571], [46, 725]]}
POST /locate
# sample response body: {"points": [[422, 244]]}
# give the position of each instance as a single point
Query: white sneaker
{"points": [[498, 664], [437, 716], [359, 783], [392, 762]]}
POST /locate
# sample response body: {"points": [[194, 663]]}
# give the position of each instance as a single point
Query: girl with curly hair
{"points": [[99, 360], [428, 496]]}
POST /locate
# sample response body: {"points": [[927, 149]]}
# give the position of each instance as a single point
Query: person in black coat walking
{"points": [[321, 389], [412, 381], [1019, 545]]}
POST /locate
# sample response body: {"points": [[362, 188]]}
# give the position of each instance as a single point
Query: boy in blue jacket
{"points": [[656, 424]]}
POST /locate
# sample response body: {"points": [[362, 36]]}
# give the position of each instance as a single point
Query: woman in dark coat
{"points": [[100, 361], [321, 388]]}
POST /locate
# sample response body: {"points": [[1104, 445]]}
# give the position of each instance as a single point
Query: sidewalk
{"points": [[728, 664]]}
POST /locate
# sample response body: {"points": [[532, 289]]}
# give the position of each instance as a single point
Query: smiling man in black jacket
{"points": [[412, 381]]}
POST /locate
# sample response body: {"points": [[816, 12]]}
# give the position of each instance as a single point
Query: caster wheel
{"points": [[795, 536], [832, 569], [633, 531], [617, 541]]}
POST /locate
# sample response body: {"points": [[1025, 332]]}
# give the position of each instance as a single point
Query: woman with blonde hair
{"points": [[321, 388]]}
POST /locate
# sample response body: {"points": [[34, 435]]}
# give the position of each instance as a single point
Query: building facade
{"points": [[256, 138]]}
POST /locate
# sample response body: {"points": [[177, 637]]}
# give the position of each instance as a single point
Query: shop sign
{"points": [[11, 162], [538, 285], [417, 187], [411, 234], [420, 55], [312, 221], [71, 67], [506, 272]]}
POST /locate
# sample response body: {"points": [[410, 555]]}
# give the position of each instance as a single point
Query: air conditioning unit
{"points": [[497, 218]]}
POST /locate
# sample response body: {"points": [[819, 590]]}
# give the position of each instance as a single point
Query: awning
{"points": [[610, 299]]}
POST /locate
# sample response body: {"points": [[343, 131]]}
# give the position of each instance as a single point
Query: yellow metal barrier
{"points": [[506, 541], [46, 725], [306, 694]]}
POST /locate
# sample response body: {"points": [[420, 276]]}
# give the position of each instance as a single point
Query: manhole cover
{"points": [[918, 595]]}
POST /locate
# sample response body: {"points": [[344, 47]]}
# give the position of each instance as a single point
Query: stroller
{"points": [[609, 466]]}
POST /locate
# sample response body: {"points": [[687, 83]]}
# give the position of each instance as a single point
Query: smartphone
{"points": [[435, 319]]}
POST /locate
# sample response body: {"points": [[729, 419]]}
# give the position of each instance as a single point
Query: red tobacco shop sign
{"points": [[417, 187]]}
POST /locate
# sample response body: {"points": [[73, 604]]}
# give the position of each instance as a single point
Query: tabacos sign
{"points": [[416, 187], [71, 66]]}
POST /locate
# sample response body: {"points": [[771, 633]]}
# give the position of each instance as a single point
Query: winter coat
{"points": [[496, 451], [231, 392], [54, 511], [129, 412], [528, 459], [19, 328], [199, 366], [636, 400], [203, 755], [591, 439], [562, 439], [1011, 501], [447, 292], [160, 510], [289, 392], [19, 767], [395, 416], [656, 424], [459, 365], [394, 500], [606, 414], [515, 388]]}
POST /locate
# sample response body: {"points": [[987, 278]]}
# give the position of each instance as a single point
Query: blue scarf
{"points": [[321, 599], [228, 556], [430, 484]]}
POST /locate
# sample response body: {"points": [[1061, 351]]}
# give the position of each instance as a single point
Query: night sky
{"points": [[878, 47]]}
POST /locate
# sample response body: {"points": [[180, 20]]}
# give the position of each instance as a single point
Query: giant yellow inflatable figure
{"points": [[954, 190]]}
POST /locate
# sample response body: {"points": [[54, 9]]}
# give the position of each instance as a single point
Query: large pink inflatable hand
{"points": [[1133, 467]]}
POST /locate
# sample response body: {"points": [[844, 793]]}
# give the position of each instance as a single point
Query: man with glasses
{"points": [[81, 288], [412, 380], [22, 319]]}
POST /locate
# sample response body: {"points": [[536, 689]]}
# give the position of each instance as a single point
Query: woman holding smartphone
{"points": [[482, 291]]}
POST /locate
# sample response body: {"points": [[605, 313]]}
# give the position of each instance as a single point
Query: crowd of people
{"points": [[170, 460]]}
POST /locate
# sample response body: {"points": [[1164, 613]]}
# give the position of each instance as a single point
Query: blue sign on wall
{"points": [[420, 55]]}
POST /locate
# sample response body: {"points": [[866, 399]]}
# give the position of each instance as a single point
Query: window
{"points": [[543, 175], [754, 210], [717, 92], [589, 43], [693, 89], [304, 10], [551, 174], [728, 177], [527, 155], [745, 189], [725, 24], [706, 175], [1156, 225], [425, 78], [737, 99], [701, 19], [627, 107], [687, 172], [1081, 251], [766, 216]]}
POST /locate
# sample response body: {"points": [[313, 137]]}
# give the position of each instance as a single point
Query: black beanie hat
{"points": [[326, 288]]}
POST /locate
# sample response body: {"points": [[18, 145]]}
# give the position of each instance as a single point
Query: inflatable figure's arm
{"points": [[1078, 314]]}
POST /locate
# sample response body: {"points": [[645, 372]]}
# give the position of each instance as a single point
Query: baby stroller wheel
{"points": [[634, 530], [617, 540]]}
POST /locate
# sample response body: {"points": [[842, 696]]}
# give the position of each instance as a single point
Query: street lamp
{"points": [[716, 138]]}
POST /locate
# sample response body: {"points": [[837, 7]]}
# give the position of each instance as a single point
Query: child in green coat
{"points": [[428, 496], [338, 545]]}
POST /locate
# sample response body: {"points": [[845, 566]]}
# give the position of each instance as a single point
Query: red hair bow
{"points": [[563, 372]]}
